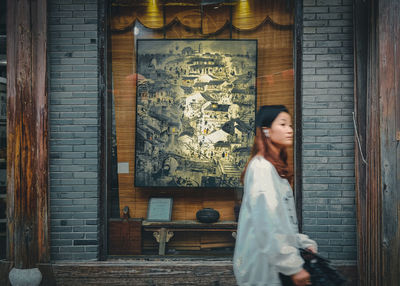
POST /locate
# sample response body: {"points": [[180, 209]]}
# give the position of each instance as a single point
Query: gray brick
{"points": [[89, 7], [341, 228], [315, 187], [329, 57], [71, 249], [326, 30], [328, 44], [315, 9], [315, 78], [329, 221], [72, 34], [308, 44], [309, 2], [72, 7], [329, 2], [343, 50], [61, 242], [72, 236], [336, 23], [86, 229], [66, 20], [331, 235], [315, 51], [321, 180], [315, 228], [85, 215], [329, 16], [341, 9], [308, 160], [313, 91]]}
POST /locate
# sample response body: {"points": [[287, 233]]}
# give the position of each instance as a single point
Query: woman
{"points": [[268, 238]]}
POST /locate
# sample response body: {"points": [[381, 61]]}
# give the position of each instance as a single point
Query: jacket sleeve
{"points": [[273, 233], [305, 242]]}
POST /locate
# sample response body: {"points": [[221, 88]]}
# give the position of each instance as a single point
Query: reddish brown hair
{"points": [[261, 146]]}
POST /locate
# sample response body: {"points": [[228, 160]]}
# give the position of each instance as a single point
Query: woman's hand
{"points": [[301, 278], [312, 249]]}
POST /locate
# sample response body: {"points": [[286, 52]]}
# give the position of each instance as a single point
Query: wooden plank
{"points": [[188, 224], [40, 111], [389, 92], [360, 34], [373, 181]]}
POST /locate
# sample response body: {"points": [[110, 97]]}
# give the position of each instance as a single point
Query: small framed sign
{"points": [[159, 209]]}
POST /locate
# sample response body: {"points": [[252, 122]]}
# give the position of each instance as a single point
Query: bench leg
{"points": [[163, 238]]}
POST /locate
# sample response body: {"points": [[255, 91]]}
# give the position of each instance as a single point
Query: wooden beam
{"points": [[27, 125], [389, 94], [297, 62], [360, 37]]}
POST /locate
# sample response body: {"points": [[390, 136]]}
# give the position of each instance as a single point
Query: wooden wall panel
{"points": [[275, 85]]}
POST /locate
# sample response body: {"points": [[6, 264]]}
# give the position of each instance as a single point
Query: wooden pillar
{"points": [[377, 106], [389, 101], [27, 127]]}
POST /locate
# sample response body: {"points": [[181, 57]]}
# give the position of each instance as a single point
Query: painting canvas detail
{"points": [[195, 111]]}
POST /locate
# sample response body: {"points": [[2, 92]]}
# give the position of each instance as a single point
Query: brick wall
{"points": [[74, 128], [328, 145]]}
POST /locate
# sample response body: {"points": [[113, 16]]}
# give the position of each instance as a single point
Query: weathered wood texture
{"points": [[389, 97], [377, 93], [275, 85], [171, 271], [27, 159]]}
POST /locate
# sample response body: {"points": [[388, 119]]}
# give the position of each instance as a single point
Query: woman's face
{"points": [[281, 131]]}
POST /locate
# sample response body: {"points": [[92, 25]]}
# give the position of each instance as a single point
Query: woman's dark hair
{"points": [[261, 146]]}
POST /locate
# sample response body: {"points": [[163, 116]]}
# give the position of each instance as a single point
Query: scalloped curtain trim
{"points": [[176, 21]]}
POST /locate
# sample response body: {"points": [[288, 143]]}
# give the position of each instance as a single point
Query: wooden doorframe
{"points": [[297, 63], [105, 79]]}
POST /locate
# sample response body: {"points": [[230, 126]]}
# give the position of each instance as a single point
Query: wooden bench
{"points": [[164, 231]]}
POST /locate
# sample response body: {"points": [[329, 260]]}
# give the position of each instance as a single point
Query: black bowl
{"points": [[207, 215]]}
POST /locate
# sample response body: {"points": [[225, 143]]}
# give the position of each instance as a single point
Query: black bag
{"points": [[321, 272]]}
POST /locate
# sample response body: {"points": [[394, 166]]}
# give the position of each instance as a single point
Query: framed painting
{"points": [[195, 109]]}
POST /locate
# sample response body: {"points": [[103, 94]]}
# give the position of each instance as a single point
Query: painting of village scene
{"points": [[195, 112]]}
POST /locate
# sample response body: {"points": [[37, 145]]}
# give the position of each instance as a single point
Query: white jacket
{"points": [[267, 237]]}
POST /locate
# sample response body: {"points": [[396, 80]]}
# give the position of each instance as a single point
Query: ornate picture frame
{"points": [[195, 110]]}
